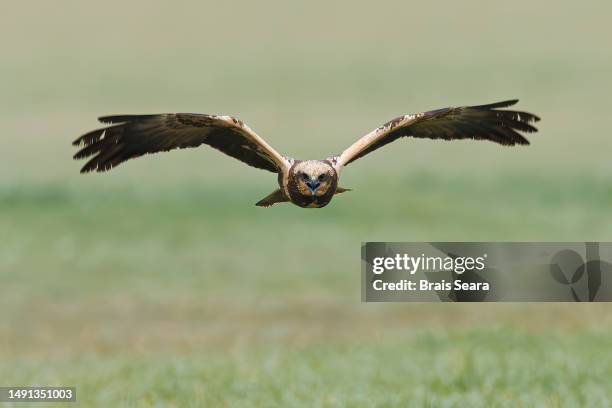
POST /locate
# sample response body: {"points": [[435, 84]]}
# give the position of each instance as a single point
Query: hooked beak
{"points": [[313, 185]]}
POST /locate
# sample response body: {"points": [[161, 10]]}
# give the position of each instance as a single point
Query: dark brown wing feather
{"points": [[131, 136], [483, 122]]}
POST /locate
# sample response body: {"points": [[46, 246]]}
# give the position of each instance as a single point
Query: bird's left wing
{"points": [[130, 136], [483, 122]]}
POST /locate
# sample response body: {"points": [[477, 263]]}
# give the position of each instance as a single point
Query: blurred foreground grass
{"points": [[195, 297], [496, 367]]}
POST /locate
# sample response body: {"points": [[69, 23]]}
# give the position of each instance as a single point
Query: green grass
{"points": [[161, 284], [141, 298], [499, 367]]}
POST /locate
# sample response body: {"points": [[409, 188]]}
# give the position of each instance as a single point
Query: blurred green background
{"points": [[161, 284]]}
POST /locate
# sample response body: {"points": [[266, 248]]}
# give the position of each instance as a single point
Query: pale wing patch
{"points": [[366, 141], [264, 149]]}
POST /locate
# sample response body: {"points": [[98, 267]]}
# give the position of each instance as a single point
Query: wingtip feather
{"points": [[497, 105], [114, 119]]}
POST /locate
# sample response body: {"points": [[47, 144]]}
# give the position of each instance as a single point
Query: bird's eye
{"points": [[304, 176], [322, 177]]}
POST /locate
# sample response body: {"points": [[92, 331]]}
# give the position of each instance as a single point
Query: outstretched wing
{"points": [[130, 136], [483, 122]]}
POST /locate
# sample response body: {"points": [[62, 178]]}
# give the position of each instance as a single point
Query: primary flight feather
{"points": [[308, 183]]}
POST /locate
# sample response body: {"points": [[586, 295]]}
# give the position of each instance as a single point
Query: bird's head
{"points": [[314, 177]]}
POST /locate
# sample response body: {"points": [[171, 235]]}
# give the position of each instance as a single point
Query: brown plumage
{"points": [[310, 183]]}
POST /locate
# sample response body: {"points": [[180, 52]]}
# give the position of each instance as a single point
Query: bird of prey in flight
{"points": [[306, 183]]}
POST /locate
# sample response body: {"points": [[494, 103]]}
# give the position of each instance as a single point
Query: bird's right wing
{"points": [[131, 136]]}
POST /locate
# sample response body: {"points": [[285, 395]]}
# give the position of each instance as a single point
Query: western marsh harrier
{"points": [[307, 183]]}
